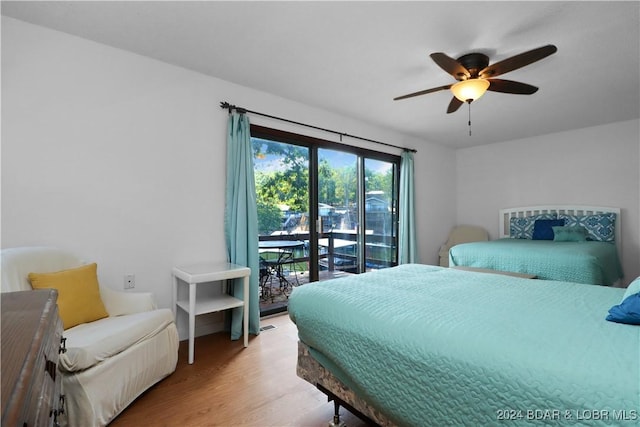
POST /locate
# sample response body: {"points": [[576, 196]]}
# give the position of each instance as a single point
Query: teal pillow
{"points": [[569, 234]]}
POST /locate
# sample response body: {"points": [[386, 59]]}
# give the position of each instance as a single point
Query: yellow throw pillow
{"points": [[79, 298]]}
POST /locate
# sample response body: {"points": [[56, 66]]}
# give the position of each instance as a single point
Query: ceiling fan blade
{"points": [[423, 92], [451, 66], [454, 105], [509, 86], [518, 61]]}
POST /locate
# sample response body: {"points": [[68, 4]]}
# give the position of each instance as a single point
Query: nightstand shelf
{"points": [[202, 273], [223, 302]]}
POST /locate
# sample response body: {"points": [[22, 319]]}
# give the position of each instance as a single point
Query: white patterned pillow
{"points": [[522, 228], [633, 288], [600, 227]]}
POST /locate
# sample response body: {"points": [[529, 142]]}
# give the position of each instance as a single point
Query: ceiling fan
{"points": [[475, 76]]}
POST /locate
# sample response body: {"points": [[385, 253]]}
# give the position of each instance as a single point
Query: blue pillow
{"points": [[628, 311], [542, 228], [522, 228]]}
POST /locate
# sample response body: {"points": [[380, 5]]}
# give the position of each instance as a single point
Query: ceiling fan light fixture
{"points": [[470, 90]]}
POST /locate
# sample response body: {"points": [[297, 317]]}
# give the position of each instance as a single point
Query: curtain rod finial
{"points": [[227, 106], [231, 107]]}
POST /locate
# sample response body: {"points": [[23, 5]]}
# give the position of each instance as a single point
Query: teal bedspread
{"points": [[595, 263], [434, 346]]}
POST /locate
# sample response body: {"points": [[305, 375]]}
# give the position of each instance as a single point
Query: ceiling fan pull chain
{"points": [[469, 118]]}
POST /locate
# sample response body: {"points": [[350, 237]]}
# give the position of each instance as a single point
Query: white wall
{"points": [[597, 166], [121, 158]]}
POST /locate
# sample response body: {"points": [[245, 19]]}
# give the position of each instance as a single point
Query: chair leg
{"points": [[295, 273], [270, 279], [266, 289]]}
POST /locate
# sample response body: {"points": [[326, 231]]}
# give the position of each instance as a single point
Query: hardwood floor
{"points": [[229, 385]]}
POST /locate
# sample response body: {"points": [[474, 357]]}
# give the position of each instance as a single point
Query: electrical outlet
{"points": [[129, 281]]}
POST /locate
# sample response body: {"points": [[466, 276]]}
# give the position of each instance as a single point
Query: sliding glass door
{"points": [[324, 209], [338, 211], [356, 213], [380, 214]]}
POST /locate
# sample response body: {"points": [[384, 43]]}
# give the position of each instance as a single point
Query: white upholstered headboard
{"points": [[507, 214]]}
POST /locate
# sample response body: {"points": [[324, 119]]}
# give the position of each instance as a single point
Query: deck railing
{"points": [[379, 249]]}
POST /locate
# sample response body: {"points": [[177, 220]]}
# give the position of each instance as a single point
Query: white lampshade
{"points": [[471, 89]]}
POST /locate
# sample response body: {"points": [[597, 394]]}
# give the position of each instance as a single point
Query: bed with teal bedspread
{"points": [[595, 263], [427, 345]]}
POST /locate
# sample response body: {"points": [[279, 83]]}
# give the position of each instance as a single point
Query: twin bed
{"points": [[418, 345], [585, 247]]}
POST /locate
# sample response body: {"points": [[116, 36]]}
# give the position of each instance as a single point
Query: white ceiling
{"points": [[354, 57]]}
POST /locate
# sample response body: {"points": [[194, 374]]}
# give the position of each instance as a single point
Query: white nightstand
{"points": [[210, 272]]}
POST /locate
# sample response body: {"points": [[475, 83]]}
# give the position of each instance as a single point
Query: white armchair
{"points": [[111, 361], [461, 234]]}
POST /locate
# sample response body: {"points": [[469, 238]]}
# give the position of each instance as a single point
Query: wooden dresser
{"points": [[31, 343]]}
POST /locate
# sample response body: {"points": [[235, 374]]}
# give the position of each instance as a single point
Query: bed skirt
{"points": [[310, 370]]}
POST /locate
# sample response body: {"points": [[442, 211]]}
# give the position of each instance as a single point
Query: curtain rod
{"points": [[241, 110]]}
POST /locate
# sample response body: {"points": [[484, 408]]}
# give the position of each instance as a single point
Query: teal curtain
{"points": [[241, 219], [407, 247]]}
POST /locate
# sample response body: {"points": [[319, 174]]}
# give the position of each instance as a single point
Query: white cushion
{"points": [[17, 263], [91, 343], [118, 303]]}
